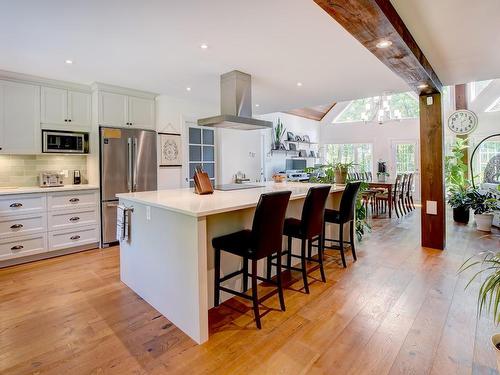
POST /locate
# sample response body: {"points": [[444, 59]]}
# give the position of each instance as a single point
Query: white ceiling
{"points": [[460, 38], [154, 45]]}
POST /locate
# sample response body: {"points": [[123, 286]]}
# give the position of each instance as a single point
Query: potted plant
{"points": [[483, 205], [489, 291], [382, 171], [279, 132], [458, 199], [341, 170], [457, 184]]}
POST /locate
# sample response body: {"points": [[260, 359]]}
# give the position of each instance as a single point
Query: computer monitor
{"points": [[295, 164]]}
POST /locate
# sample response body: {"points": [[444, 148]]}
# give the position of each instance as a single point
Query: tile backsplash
{"points": [[23, 170]]}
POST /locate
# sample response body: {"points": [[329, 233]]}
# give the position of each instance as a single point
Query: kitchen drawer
{"points": [[16, 247], [72, 219], [67, 238], [21, 225], [22, 204], [69, 200]]}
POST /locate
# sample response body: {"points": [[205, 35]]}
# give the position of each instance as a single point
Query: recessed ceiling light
{"points": [[423, 86], [384, 43], [69, 62], [204, 46], [188, 88], [257, 105], [299, 84]]}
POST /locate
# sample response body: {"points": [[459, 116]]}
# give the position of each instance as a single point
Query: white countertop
{"points": [[185, 201], [37, 189]]}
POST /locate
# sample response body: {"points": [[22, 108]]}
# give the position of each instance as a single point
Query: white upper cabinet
{"points": [[141, 112], [113, 109], [67, 108], [79, 109], [124, 110], [19, 118]]}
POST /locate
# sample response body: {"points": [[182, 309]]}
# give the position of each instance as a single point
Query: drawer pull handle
{"points": [[74, 200], [16, 226], [16, 205], [74, 218], [17, 247], [77, 237]]}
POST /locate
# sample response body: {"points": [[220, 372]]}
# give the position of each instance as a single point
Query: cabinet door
{"points": [[19, 118], [113, 109], [79, 114], [54, 106], [141, 112]]}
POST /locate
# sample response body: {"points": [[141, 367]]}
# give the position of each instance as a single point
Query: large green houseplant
{"points": [[457, 183], [483, 205]]}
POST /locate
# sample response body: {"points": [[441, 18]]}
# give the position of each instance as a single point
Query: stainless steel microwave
{"points": [[65, 142]]}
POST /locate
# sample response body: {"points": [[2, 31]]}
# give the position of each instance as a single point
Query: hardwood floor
{"points": [[400, 309]]}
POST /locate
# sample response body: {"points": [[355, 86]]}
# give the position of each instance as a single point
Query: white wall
{"points": [[171, 114]]}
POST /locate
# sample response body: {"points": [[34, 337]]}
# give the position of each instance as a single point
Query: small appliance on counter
{"points": [[51, 179], [240, 178], [77, 177]]}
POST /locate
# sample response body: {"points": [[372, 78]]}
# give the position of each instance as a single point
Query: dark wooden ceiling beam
{"points": [[371, 21]]}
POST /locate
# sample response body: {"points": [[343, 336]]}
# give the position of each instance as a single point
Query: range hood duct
{"points": [[235, 104]]}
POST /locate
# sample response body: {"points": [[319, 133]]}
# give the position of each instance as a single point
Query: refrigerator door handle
{"points": [[134, 174], [129, 164]]}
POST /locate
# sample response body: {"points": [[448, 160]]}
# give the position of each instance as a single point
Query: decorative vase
{"points": [[495, 340], [461, 214], [483, 222], [381, 177], [340, 175]]}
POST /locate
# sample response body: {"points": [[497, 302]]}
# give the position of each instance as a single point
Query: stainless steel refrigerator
{"points": [[127, 164]]}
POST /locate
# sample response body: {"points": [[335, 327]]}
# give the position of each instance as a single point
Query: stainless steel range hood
{"points": [[235, 104]]}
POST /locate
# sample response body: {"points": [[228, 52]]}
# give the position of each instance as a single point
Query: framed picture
{"points": [[290, 136], [292, 147], [170, 150], [306, 139]]}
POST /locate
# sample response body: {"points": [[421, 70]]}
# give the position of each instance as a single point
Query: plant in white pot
{"points": [[483, 205], [489, 291]]}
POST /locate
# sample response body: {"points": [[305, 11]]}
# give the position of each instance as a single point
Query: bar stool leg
{"points": [[245, 274], [269, 267], [309, 249], [289, 258], [303, 261], [320, 257], [278, 279], [217, 277], [353, 250], [255, 299], [341, 243]]}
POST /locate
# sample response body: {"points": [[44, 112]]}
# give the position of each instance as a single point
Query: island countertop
{"points": [[185, 201]]}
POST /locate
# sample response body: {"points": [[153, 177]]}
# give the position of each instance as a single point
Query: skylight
{"points": [[393, 107]]}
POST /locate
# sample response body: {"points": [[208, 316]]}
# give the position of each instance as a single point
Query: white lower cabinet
{"points": [[63, 239], [16, 247], [44, 222]]}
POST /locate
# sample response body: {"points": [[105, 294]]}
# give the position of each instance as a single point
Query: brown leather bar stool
{"points": [[308, 229], [345, 215], [263, 240]]}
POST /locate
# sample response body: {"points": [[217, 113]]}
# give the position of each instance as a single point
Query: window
{"points": [[405, 157], [475, 88], [483, 155], [201, 152], [395, 107], [360, 154]]}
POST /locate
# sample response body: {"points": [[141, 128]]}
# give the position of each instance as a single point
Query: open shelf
{"points": [[301, 142]]}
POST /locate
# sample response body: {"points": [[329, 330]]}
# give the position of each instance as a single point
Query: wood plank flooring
{"points": [[400, 309]]}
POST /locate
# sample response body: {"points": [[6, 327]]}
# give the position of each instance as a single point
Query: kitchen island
{"points": [[168, 257]]}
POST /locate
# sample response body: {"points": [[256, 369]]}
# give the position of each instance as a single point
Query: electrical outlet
{"points": [[431, 207], [430, 101], [65, 173], [148, 213]]}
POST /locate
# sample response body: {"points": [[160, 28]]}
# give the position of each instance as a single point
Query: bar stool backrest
{"points": [[313, 211], [397, 186], [268, 222], [348, 201], [410, 183]]}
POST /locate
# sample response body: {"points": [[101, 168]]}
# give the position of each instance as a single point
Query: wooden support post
{"points": [[432, 177]]}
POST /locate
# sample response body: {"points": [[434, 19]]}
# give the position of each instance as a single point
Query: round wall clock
{"points": [[462, 121]]}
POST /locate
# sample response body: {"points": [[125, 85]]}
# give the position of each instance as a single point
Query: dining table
{"points": [[388, 185]]}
